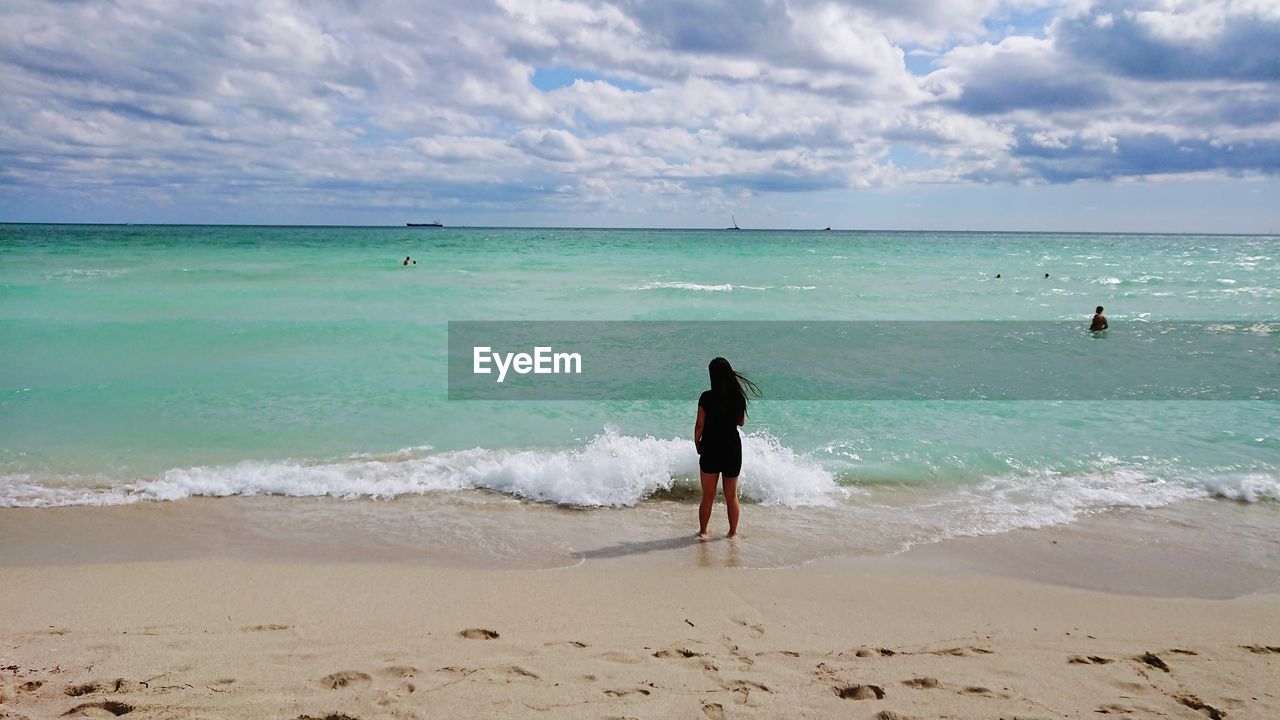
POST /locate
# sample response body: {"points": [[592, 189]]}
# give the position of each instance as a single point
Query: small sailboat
{"points": [[735, 223], [437, 223]]}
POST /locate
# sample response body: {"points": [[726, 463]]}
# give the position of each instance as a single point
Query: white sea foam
{"points": [[616, 470], [726, 287], [1248, 487], [1042, 499], [85, 274], [608, 471], [697, 287]]}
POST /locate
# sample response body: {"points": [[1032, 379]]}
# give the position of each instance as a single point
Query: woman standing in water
{"points": [[721, 411]]}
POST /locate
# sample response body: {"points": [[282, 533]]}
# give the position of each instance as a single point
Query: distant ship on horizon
{"points": [[437, 223], [735, 223]]}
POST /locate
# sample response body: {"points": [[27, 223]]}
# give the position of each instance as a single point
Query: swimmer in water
{"points": [[1099, 321], [406, 261]]}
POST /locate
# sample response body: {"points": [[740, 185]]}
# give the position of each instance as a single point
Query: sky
{"points": [[1144, 116]]}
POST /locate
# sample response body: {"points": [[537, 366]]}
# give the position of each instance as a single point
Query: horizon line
{"points": [[639, 227]]}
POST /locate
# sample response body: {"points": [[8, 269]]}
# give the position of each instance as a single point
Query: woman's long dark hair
{"points": [[729, 383]]}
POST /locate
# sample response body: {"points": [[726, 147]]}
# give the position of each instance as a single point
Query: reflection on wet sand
{"points": [[718, 552]]}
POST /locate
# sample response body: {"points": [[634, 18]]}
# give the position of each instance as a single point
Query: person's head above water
{"points": [[1099, 310], [729, 382]]}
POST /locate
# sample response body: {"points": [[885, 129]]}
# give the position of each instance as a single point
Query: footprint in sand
{"points": [[403, 673], [1113, 709], [677, 652], [343, 679], [756, 629], [1153, 660], [112, 706], [83, 689], [1090, 660], [515, 672], [330, 716], [744, 660], [824, 670], [616, 656], [31, 686], [891, 715], [868, 652], [479, 634], [962, 651], [273, 627], [714, 711], [1261, 649], [455, 674], [570, 643], [859, 692], [1195, 703], [1131, 687], [743, 688], [982, 691], [921, 683], [626, 692]]}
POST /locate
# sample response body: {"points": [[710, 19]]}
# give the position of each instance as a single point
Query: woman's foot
{"points": [[703, 535], [732, 535]]}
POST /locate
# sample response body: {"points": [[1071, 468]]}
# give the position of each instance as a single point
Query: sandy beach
{"points": [[923, 634]]}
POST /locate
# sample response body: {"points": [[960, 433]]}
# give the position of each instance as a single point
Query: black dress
{"points": [[720, 447]]}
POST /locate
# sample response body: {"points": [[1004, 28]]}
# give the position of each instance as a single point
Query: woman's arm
{"points": [[697, 429], [742, 420]]}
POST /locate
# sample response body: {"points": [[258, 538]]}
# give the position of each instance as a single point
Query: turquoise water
{"points": [[158, 363]]}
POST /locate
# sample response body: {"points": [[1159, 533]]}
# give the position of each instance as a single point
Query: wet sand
{"points": [[1203, 548]]}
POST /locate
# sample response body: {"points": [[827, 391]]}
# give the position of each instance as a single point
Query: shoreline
{"points": [[1166, 552]]}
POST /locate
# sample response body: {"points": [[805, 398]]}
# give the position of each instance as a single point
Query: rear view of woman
{"points": [[721, 411]]}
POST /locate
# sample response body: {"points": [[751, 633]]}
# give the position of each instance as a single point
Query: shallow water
{"points": [[160, 363]]}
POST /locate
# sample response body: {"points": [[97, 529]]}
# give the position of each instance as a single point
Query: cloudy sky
{"points": [[1159, 115]]}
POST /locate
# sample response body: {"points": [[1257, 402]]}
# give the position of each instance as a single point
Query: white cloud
{"points": [[399, 103]]}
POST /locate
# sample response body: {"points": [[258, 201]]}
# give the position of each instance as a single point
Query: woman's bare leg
{"points": [[708, 500], [731, 502]]}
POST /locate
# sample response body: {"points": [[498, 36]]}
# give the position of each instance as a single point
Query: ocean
{"points": [[157, 364]]}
